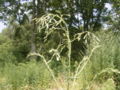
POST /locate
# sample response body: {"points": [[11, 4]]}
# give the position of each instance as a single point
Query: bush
{"points": [[6, 51], [29, 75]]}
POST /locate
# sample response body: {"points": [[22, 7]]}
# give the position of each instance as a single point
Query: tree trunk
{"points": [[33, 30]]}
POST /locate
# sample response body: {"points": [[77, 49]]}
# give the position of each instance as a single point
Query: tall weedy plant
{"points": [[51, 24]]}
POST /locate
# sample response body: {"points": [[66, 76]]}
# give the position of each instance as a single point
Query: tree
{"points": [[84, 15]]}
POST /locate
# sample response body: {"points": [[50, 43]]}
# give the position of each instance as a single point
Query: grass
{"points": [[100, 73], [30, 75]]}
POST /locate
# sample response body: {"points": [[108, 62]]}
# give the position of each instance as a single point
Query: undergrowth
{"points": [[97, 70]]}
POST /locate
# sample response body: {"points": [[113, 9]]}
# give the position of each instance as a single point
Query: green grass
{"points": [[100, 73], [29, 75]]}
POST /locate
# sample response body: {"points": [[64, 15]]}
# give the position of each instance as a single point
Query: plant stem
{"points": [[69, 57]]}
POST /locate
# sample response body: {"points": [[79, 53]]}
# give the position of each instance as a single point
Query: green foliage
{"points": [[96, 47], [97, 72], [107, 56], [31, 74], [6, 50], [81, 59]]}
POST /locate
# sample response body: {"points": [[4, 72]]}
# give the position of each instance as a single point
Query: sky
{"points": [[2, 26]]}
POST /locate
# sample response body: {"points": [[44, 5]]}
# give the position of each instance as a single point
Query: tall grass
{"points": [[93, 62], [97, 70], [102, 66], [24, 76], [99, 73]]}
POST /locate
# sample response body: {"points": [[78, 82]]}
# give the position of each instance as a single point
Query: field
{"points": [[97, 71]]}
